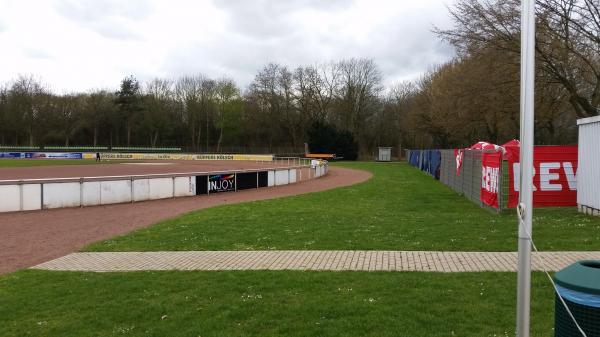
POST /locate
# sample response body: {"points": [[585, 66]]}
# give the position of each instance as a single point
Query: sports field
{"points": [[398, 209]]}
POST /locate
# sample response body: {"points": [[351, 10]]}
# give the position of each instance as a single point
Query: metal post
{"points": [[526, 189], [20, 196], [80, 192], [131, 191]]}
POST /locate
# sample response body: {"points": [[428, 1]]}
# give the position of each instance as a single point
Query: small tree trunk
{"points": [[128, 133], [220, 139], [95, 135], [154, 139]]}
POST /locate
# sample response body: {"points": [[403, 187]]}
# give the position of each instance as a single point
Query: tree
{"points": [[567, 43], [159, 109], [129, 102], [229, 106]]}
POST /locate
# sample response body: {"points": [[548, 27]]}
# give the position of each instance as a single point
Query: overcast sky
{"points": [[77, 45]]}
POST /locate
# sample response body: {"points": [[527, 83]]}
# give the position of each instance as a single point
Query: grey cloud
{"points": [[106, 17], [38, 53], [95, 10], [270, 18]]}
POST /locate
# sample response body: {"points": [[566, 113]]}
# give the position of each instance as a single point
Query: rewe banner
{"points": [[555, 176], [490, 173]]}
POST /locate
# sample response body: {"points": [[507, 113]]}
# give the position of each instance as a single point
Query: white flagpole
{"points": [[526, 188]]}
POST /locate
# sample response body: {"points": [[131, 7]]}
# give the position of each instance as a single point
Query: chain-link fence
{"points": [[467, 182]]}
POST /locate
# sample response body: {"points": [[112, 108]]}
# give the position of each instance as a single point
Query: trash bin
{"points": [[579, 286]]}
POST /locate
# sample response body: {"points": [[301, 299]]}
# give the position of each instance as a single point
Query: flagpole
{"points": [[526, 188]]}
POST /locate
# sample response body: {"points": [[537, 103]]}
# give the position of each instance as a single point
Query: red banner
{"points": [[555, 178], [490, 174]]}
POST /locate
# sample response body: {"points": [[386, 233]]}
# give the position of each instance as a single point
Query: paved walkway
{"points": [[311, 260]]}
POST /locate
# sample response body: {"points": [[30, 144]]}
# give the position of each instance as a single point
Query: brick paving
{"points": [[428, 261]]}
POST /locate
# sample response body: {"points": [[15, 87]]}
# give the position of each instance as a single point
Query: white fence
{"points": [[588, 172], [36, 194]]}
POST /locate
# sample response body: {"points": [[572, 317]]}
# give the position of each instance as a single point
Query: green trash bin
{"points": [[579, 286]]}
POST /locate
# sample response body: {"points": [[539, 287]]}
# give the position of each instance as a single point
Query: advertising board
{"points": [[555, 176], [221, 183]]}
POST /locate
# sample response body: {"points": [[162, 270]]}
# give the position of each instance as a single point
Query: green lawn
{"points": [[401, 208], [264, 303], [45, 162]]}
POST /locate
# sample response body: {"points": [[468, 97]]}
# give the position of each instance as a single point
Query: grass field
{"points": [[399, 209], [261, 303], [46, 162]]}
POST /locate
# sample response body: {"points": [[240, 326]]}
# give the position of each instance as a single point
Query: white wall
{"points": [[161, 188], [185, 186], [271, 178], [588, 171], [282, 177], [114, 192], [60, 195], [91, 193], [10, 198], [32, 197], [141, 189]]}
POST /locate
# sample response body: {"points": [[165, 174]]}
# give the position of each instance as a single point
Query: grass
{"points": [[46, 162], [399, 209], [267, 303]]}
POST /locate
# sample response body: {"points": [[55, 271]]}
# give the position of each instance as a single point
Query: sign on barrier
{"points": [[221, 183], [42, 155], [13, 155], [490, 178], [175, 156], [555, 176]]}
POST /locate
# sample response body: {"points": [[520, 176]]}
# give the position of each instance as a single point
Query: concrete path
{"points": [[430, 261]]}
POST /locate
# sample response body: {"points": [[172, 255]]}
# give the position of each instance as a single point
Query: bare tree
{"points": [[567, 43]]}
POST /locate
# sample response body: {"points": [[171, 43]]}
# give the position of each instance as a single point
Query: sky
{"points": [[80, 45]]}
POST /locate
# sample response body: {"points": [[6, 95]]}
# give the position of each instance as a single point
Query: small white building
{"points": [[385, 154], [588, 172]]}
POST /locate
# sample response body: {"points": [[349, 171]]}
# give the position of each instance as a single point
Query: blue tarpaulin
{"points": [[427, 161]]}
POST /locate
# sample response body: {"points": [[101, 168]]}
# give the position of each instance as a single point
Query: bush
{"points": [[325, 138]]}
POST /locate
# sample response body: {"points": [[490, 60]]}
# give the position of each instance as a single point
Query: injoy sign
{"points": [[555, 176]]}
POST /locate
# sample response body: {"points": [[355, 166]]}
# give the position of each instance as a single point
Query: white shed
{"points": [[385, 154], [588, 172]]}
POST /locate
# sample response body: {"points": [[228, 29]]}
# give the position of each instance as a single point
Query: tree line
{"points": [[199, 113], [475, 96]]}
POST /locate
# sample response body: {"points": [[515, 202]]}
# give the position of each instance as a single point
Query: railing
{"points": [[441, 164], [37, 194]]}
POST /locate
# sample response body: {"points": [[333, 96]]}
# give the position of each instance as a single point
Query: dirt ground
{"points": [[30, 238], [131, 168]]}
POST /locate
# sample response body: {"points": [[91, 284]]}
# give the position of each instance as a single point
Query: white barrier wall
{"points": [[282, 177], [141, 189], [91, 193], [24, 195], [161, 188], [10, 198], [32, 197], [185, 186], [115, 192], [60, 195], [271, 178]]}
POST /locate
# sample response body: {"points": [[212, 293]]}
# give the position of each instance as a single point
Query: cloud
{"points": [[36, 53], [111, 19], [78, 45]]}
